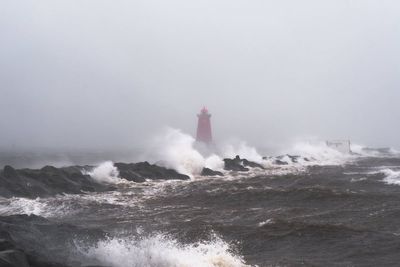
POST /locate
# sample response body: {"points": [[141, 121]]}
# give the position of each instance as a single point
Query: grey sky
{"points": [[103, 74]]}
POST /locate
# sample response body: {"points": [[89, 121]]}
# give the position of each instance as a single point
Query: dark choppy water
{"points": [[341, 215]]}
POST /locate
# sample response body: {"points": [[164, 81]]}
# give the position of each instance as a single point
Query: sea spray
{"points": [[45, 207], [175, 149], [106, 172], [318, 153], [235, 147], [162, 251], [214, 162], [391, 176]]}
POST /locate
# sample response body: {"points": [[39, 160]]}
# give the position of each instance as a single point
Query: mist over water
{"points": [[99, 165], [105, 76]]}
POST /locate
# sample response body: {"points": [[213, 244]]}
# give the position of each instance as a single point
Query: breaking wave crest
{"points": [[391, 176], [40, 206], [176, 150], [319, 153], [161, 251], [106, 172], [241, 148]]}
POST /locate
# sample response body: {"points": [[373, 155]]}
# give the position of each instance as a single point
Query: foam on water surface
{"points": [[391, 176], [161, 251]]}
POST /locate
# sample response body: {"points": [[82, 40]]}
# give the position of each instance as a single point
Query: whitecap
{"points": [[162, 251]]}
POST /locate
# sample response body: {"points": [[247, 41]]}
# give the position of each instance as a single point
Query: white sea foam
{"points": [[106, 172], [214, 162], [176, 150], [237, 147], [18, 205], [269, 221], [40, 206], [391, 176], [318, 153], [161, 251], [69, 204]]}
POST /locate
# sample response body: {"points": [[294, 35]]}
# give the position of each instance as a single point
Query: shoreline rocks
{"points": [[210, 172], [238, 164], [49, 181], [139, 172]]}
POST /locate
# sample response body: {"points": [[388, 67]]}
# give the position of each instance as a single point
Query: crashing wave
{"points": [[106, 172], [391, 176], [160, 250]]}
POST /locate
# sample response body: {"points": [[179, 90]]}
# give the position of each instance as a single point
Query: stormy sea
{"points": [[314, 207]]}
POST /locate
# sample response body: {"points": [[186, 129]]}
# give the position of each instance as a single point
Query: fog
{"points": [[109, 74]]}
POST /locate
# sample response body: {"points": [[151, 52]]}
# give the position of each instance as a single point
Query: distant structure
{"points": [[204, 127], [343, 146]]}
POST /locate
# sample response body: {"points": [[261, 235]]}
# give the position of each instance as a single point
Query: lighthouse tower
{"points": [[204, 127]]}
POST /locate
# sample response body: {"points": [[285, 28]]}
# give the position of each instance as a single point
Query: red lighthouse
{"points": [[204, 127]]}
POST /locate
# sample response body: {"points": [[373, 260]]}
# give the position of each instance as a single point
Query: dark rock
{"points": [[294, 159], [235, 164], [139, 172], [210, 172], [238, 164], [251, 164], [280, 162], [47, 181]]}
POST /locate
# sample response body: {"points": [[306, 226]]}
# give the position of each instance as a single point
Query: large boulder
{"points": [[139, 172], [288, 159], [210, 172], [280, 162], [251, 164], [238, 164], [235, 164], [49, 180], [45, 182]]}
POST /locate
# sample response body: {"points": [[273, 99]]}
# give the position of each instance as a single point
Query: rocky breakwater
{"points": [[238, 164], [50, 181], [139, 172], [46, 181]]}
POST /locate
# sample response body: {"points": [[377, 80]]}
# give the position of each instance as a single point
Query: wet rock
{"points": [[280, 162], [294, 159], [251, 164], [286, 159], [139, 172], [45, 182], [235, 164], [238, 164], [50, 181], [210, 172]]}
